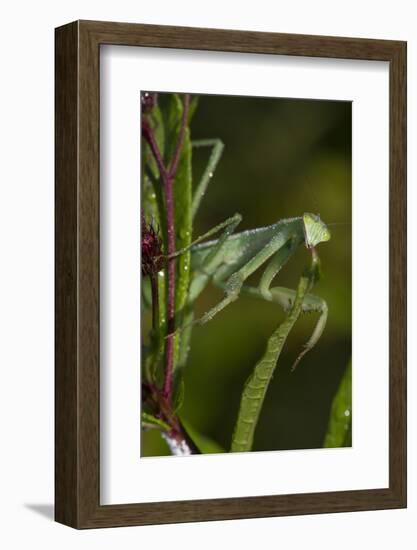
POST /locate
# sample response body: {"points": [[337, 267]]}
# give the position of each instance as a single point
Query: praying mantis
{"points": [[227, 262]]}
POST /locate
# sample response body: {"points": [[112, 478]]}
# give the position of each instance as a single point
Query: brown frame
{"points": [[77, 274]]}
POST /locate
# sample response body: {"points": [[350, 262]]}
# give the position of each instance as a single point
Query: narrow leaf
{"points": [[254, 391], [183, 221], [182, 208], [339, 431], [148, 420]]}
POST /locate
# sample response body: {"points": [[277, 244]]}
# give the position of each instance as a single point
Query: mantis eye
{"points": [[315, 231]]}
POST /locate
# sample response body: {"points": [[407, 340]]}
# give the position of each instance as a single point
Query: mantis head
{"points": [[315, 231]]}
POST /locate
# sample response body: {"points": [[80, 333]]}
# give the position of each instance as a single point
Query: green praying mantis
{"points": [[227, 262]]}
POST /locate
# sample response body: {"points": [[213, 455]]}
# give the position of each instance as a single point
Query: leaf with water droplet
{"points": [[339, 431], [183, 219]]}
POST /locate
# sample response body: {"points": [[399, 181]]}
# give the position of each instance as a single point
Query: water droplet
{"points": [[210, 174], [347, 412], [161, 273]]}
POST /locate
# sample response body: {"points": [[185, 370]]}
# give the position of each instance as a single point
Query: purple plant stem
{"points": [[148, 134], [169, 200], [168, 177]]}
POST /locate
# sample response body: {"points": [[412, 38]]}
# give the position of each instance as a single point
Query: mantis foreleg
{"points": [[285, 298], [274, 266]]}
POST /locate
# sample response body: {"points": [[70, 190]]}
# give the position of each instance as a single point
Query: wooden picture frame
{"points": [[77, 376]]}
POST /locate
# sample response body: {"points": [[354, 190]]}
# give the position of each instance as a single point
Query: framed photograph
{"points": [[230, 274]]}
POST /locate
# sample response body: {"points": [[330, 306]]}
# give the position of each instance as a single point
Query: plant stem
{"points": [[168, 178], [148, 134], [169, 202], [177, 445]]}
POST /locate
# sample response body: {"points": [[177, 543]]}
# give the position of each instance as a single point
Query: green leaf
{"points": [[183, 222], [148, 420], [179, 391], [171, 116], [254, 391], [188, 319], [339, 431], [204, 444], [193, 106], [182, 208], [146, 302]]}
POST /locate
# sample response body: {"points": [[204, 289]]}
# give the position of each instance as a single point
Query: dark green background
{"points": [[282, 157]]}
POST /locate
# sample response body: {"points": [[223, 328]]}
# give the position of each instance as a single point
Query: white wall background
{"points": [[26, 273]]}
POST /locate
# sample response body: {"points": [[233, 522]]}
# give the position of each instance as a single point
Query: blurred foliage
{"points": [[282, 157], [339, 431], [203, 443]]}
